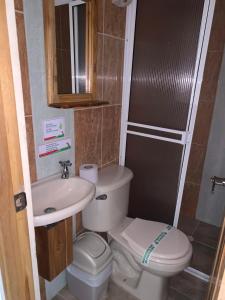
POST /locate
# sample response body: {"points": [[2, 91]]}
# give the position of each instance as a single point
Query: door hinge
{"points": [[20, 201]]}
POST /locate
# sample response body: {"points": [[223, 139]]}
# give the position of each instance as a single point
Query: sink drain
{"points": [[49, 210]]}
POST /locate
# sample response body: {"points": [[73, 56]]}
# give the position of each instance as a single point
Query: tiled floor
{"points": [[205, 239], [182, 287]]}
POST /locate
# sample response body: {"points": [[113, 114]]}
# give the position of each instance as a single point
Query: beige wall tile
{"points": [[110, 134], [114, 19], [23, 63], [31, 150], [113, 70], [88, 136]]}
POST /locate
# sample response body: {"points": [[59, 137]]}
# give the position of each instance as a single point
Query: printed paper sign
{"points": [[54, 128], [54, 147]]}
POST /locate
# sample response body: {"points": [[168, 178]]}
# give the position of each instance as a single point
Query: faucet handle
{"points": [[65, 163]]}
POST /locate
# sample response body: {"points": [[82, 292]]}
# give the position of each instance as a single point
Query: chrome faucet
{"points": [[217, 181], [65, 170]]}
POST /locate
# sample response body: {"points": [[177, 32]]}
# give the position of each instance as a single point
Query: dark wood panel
{"points": [[54, 248], [156, 166]]}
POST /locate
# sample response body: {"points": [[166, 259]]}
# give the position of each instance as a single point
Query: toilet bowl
{"points": [[145, 253]]}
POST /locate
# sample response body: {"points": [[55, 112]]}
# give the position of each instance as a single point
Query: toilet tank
{"points": [[110, 205]]}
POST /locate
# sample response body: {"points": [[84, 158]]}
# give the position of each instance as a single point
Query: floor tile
{"points": [[58, 297], [188, 225], [116, 293], [207, 234], [65, 293], [203, 258], [189, 286], [182, 287], [174, 295]]}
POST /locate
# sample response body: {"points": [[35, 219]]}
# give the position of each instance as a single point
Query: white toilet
{"points": [[145, 253]]}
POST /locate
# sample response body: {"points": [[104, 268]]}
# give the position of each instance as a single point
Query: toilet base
{"points": [[135, 280], [149, 286]]}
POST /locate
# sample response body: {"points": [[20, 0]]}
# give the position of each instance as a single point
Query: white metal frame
{"points": [[187, 135]]}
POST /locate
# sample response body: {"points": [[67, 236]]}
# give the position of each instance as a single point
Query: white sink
{"points": [[63, 197]]}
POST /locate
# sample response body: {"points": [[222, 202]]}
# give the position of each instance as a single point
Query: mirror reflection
{"points": [[71, 46]]}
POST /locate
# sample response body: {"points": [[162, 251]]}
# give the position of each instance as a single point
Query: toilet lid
{"points": [[140, 234]]}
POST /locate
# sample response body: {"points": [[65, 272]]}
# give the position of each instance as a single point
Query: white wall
{"points": [[36, 60], [211, 206]]}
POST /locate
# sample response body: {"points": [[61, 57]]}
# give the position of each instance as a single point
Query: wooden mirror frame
{"points": [[70, 100]]}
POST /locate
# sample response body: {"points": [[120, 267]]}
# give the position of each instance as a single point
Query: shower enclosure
{"points": [[166, 46]]}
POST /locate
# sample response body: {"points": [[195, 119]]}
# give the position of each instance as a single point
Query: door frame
{"points": [[18, 92]]}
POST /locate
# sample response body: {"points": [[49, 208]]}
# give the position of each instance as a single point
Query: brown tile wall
{"points": [[26, 85], [97, 129], [205, 111]]}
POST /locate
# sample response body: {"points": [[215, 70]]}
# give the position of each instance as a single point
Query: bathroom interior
{"points": [[156, 106]]}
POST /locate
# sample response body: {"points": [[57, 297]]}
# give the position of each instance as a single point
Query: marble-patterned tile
{"points": [[110, 134], [88, 136], [31, 148], [190, 199], [211, 75], [100, 15], [114, 20], [207, 234], [18, 5], [187, 224], [23, 63], [99, 92], [189, 286], [112, 70], [203, 258], [196, 163]]}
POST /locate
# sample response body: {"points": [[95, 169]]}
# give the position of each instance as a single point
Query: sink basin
{"points": [[55, 199]]}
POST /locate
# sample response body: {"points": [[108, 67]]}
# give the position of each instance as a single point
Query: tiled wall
{"points": [[205, 111], [26, 85], [97, 129]]}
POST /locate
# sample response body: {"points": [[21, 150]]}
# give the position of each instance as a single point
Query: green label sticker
{"points": [[151, 248]]}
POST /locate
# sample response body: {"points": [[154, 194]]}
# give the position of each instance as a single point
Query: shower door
{"points": [[155, 129]]}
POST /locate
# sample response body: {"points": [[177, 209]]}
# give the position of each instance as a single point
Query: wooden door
{"points": [[217, 283], [15, 258]]}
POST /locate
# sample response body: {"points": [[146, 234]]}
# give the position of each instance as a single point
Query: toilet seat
{"points": [[136, 235]]}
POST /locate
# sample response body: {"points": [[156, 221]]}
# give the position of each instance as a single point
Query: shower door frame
{"points": [[187, 135], [186, 141]]}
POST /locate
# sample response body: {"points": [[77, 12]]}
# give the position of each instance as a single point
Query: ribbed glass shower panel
{"points": [[156, 167], [165, 48]]}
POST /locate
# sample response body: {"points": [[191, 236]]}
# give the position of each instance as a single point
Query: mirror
{"points": [[70, 52]]}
